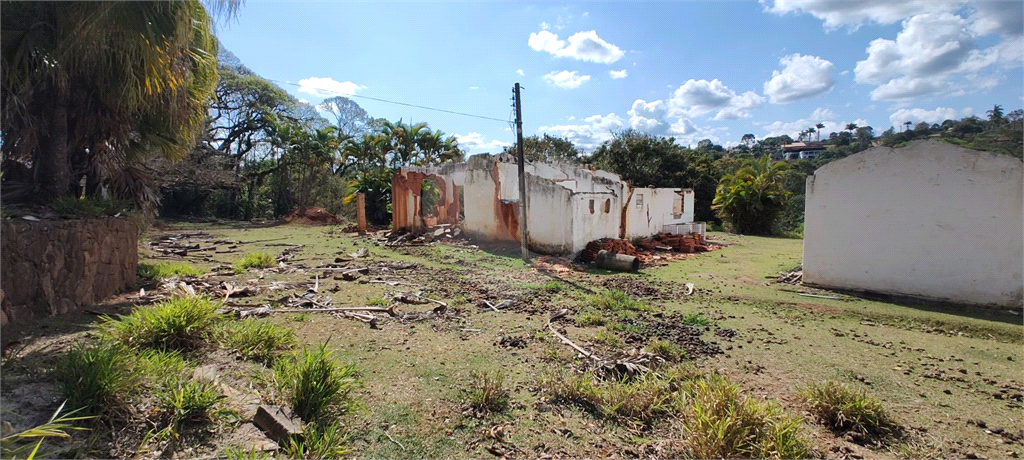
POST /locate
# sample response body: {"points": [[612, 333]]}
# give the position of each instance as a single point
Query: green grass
{"points": [[696, 320], [255, 260], [843, 410], [667, 350], [615, 300], [97, 379], [636, 403], [608, 338], [159, 365], [590, 317], [315, 384], [15, 445], [722, 423], [328, 442], [188, 402], [258, 339], [90, 207], [165, 270], [377, 302], [488, 393], [183, 323]]}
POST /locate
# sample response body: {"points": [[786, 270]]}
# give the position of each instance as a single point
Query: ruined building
{"points": [[567, 205]]}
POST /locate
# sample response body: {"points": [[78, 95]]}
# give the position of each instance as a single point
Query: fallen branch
{"points": [[566, 340], [393, 440]]}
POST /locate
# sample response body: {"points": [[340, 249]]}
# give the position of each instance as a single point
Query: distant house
{"points": [[802, 150], [929, 220], [568, 205]]}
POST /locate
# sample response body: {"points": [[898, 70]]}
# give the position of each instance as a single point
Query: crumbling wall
{"points": [[406, 199], [53, 267], [929, 220], [650, 208]]}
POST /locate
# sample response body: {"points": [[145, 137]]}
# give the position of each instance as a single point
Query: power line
{"points": [[391, 102]]}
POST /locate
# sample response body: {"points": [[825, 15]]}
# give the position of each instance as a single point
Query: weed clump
{"points": [[255, 260], [166, 270], [97, 379], [259, 340], [183, 323], [638, 402], [488, 392], [315, 385], [667, 350], [845, 410], [722, 423], [615, 300], [185, 402], [589, 317], [608, 338], [327, 441], [696, 320]]}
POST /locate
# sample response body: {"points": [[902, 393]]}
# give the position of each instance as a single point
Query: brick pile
{"points": [[687, 244]]}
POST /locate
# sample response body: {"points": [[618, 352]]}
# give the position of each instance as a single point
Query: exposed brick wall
{"points": [[52, 267]]}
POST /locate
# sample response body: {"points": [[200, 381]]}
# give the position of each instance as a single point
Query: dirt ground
{"points": [[950, 375]]}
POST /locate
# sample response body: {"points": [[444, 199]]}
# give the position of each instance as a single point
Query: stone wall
{"points": [[53, 267]]}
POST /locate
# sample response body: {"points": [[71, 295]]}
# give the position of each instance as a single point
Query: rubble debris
{"points": [[794, 276], [646, 247], [312, 216], [363, 252], [279, 423]]}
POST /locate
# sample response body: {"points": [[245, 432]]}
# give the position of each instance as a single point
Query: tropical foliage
{"points": [[750, 200]]}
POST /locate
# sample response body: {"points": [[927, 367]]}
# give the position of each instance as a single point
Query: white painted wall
{"points": [[656, 210], [929, 220]]}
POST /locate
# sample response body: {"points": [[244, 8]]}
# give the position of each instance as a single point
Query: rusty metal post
{"points": [[361, 212], [524, 233]]}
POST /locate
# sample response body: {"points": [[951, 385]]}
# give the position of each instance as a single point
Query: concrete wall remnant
{"points": [[568, 205], [929, 220], [53, 267]]}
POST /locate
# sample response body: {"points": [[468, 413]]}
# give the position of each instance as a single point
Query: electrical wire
{"points": [[391, 102]]}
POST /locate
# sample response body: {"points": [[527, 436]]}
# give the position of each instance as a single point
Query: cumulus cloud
{"points": [[617, 74], [699, 97], [582, 46], [1006, 18], [648, 116], [916, 116], [932, 54], [591, 133], [836, 14], [476, 143], [520, 72], [326, 87], [801, 77], [566, 79]]}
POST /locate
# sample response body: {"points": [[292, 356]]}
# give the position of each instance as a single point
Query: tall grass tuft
{"points": [[255, 260], [845, 410], [327, 441], [638, 402], [315, 384], [184, 401], [97, 379], [183, 323], [488, 392], [722, 423], [165, 270], [667, 350], [17, 444], [615, 300], [259, 340]]}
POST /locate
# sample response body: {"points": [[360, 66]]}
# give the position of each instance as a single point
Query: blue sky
{"points": [[692, 70]]}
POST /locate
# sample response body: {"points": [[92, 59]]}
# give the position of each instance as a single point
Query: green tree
{"points": [[96, 87], [751, 200], [547, 148], [996, 114]]}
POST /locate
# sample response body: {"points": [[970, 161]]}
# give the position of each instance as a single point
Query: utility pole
{"points": [[524, 234]]}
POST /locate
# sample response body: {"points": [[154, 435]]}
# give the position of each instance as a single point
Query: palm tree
{"points": [[819, 126], [907, 124], [996, 114], [96, 87], [851, 127], [752, 198]]}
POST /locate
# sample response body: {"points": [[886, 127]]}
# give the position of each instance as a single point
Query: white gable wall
{"points": [[929, 220]]}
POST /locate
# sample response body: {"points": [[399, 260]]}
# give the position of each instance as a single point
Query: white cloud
{"points": [[566, 79], [699, 97], [544, 25], [617, 74], [474, 87], [916, 116], [476, 143], [934, 53], [648, 116], [303, 101], [520, 72], [836, 14], [590, 134], [1006, 18], [582, 46], [801, 77], [326, 87]]}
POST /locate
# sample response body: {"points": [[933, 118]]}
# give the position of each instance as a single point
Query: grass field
{"points": [[937, 370]]}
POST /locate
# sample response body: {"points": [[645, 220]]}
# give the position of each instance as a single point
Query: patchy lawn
{"points": [[448, 376]]}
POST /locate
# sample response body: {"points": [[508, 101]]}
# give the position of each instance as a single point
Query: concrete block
{"points": [[279, 423]]}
